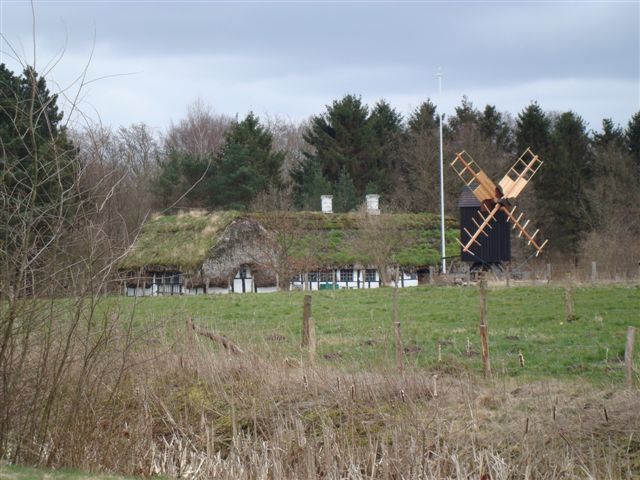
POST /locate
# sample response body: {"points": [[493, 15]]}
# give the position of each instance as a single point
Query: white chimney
{"points": [[326, 202], [372, 204]]}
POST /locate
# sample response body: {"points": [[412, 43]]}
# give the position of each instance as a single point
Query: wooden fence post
{"points": [[628, 355], [594, 272], [430, 274], [396, 323], [312, 340], [484, 334], [306, 314], [399, 352], [568, 300]]}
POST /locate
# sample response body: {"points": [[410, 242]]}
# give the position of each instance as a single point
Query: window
{"points": [[346, 275], [168, 279], [326, 277], [370, 275], [313, 276]]}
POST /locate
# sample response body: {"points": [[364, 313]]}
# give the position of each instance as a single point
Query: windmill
{"points": [[494, 199]]}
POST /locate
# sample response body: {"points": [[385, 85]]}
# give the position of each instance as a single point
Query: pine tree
{"points": [[466, 117], [533, 130], [493, 127], [424, 118], [611, 136], [345, 198], [38, 164], [314, 185], [343, 137], [257, 144], [237, 179], [386, 124], [633, 139], [562, 185]]}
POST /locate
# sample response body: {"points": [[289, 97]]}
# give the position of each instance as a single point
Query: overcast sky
{"points": [[290, 59]]}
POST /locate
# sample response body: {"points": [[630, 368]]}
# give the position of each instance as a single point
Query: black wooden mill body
{"points": [[495, 247]]}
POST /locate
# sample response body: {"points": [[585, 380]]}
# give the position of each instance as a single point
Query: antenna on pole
{"points": [[440, 116]]}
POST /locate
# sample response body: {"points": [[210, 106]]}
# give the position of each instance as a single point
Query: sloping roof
{"points": [[468, 199], [185, 241], [180, 242]]}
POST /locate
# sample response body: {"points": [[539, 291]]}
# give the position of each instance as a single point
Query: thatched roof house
{"points": [[201, 252]]}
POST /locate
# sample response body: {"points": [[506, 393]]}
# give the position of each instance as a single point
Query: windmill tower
{"points": [[495, 209]]}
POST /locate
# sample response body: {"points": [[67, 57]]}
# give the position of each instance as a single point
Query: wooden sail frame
{"points": [[494, 199]]}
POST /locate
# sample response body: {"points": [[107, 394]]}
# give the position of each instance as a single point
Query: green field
{"points": [[14, 472], [354, 327]]}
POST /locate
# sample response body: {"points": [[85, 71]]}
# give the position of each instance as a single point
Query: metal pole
{"points": [[444, 261]]}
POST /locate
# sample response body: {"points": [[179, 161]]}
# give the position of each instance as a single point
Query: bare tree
{"points": [[56, 356], [379, 238], [200, 133], [288, 138]]}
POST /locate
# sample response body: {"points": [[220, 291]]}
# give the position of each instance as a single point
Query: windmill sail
{"points": [[522, 227], [493, 199], [520, 174], [473, 176]]}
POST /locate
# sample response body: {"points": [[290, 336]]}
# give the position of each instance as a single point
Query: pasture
{"points": [[355, 330]]}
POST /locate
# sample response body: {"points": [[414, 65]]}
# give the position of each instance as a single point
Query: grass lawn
{"points": [[13, 472], [354, 327]]}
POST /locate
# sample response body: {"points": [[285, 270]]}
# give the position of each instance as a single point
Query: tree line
{"points": [[586, 194]]}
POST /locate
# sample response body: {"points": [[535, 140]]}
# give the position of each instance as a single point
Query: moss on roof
{"points": [[183, 242]]}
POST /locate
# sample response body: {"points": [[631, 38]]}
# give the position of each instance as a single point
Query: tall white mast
{"points": [[441, 115]]}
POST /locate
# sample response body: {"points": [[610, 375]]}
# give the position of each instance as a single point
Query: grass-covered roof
{"points": [[184, 241]]}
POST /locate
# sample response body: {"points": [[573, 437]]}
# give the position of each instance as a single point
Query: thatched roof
{"points": [[186, 242], [177, 242]]}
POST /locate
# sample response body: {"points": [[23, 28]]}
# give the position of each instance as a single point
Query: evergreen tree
{"points": [[611, 135], [633, 139], [416, 185], [424, 118], [244, 167], [345, 197], [386, 123], [493, 127], [343, 137], [533, 130], [237, 179], [168, 183], [466, 116], [38, 164], [257, 145], [563, 183], [313, 185]]}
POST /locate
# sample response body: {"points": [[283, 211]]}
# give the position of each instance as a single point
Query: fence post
{"points": [[628, 355], [312, 340], [399, 352], [306, 315], [508, 275], [430, 275], [484, 335], [568, 300], [396, 323], [594, 272]]}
